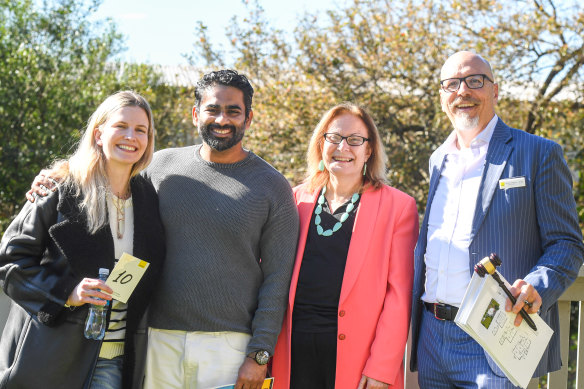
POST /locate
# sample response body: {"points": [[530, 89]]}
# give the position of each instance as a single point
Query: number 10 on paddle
{"points": [[125, 276]]}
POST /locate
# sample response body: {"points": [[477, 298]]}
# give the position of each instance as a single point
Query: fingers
{"points": [[527, 298], [370, 383], [54, 183], [43, 184], [31, 196], [90, 291], [251, 375]]}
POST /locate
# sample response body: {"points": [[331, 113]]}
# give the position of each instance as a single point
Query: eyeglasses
{"points": [[474, 81], [352, 140]]}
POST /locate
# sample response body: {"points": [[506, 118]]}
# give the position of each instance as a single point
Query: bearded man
{"points": [[492, 189]]}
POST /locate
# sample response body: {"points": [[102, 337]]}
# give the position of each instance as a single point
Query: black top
{"points": [[321, 274]]}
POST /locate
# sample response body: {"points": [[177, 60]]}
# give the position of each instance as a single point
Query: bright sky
{"points": [[159, 31]]}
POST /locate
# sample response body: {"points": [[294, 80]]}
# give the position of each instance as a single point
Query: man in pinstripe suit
{"points": [[492, 189]]}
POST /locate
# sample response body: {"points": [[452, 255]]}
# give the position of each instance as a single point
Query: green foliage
{"points": [[55, 69], [387, 55], [52, 75]]}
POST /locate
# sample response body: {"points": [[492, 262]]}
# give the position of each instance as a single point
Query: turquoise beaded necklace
{"points": [[318, 210]]}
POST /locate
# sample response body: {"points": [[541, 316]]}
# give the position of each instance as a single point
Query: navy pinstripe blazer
{"points": [[534, 228]]}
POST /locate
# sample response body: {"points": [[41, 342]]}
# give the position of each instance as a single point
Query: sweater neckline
{"points": [[243, 162]]}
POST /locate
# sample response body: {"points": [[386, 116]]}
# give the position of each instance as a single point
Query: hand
{"points": [[251, 375], [41, 185], [89, 290], [523, 292], [370, 383]]}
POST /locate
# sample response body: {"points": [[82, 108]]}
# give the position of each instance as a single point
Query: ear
{"points": [[195, 116], [442, 98], [249, 119], [368, 153], [496, 93], [97, 136]]}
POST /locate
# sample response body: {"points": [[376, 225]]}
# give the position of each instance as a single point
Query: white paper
{"points": [[516, 350], [125, 276]]}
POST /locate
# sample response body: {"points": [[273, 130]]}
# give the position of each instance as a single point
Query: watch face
{"points": [[262, 357]]}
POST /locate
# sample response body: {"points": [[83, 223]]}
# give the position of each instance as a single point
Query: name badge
{"points": [[125, 276], [515, 182]]}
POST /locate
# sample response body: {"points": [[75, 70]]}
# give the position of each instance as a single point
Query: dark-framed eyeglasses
{"points": [[474, 81], [352, 140]]}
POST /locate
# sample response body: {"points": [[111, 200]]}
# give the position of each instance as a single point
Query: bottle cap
{"points": [[103, 271]]}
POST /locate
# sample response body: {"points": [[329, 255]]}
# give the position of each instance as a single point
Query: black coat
{"points": [[45, 252]]}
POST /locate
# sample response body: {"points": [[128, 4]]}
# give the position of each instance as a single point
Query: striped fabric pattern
{"points": [[449, 358], [534, 229], [113, 343]]}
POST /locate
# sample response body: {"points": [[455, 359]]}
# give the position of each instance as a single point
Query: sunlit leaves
{"points": [[387, 54], [52, 74]]}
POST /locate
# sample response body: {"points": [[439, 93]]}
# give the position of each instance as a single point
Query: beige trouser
{"points": [[193, 360]]}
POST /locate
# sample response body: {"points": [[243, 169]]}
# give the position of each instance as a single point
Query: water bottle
{"points": [[96, 322]]}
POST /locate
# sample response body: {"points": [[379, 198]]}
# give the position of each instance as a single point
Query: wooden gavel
{"points": [[488, 265]]}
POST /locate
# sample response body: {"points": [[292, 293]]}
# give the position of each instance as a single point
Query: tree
{"points": [[53, 73], [55, 69], [387, 55]]}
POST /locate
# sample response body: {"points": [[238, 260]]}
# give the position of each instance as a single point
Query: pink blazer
{"points": [[375, 302]]}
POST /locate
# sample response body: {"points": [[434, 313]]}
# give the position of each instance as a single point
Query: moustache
{"points": [[465, 100], [214, 126]]}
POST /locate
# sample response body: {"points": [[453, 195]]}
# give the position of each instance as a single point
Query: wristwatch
{"points": [[261, 357]]}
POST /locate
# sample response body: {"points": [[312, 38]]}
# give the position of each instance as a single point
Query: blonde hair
{"points": [[85, 171], [375, 175]]}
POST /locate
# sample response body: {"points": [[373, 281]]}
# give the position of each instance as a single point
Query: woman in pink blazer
{"points": [[349, 307]]}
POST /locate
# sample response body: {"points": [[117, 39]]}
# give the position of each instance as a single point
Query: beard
{"points": [[466, 122], [221, 143]]}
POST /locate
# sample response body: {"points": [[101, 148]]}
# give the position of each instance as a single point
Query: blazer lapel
{"points": [[148, 232], [365, 221], [305, 203], [496, 160]]}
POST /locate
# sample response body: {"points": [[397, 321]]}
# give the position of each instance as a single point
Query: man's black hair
{"points": [[225, 77]]}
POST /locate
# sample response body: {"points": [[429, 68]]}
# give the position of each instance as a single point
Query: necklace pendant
{"points": [[120, 206], [319, 230], [318, 209], [337, 226], [327, 233]]}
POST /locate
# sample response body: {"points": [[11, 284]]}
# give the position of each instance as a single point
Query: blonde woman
{"points": [[349, 304], [51, 253]]}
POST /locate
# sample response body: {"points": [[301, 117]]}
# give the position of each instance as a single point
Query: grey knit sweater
{"points": [[220, 219]]}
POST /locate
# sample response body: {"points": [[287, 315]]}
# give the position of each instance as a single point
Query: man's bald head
{"points": [[457, 60]]}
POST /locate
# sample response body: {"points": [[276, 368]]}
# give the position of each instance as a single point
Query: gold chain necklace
{"points": [[120, 206]]}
